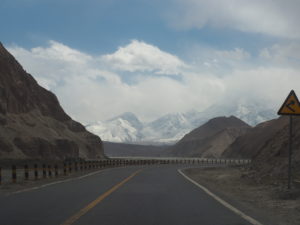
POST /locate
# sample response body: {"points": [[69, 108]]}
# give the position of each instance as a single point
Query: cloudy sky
{"points": [[105, 57]]}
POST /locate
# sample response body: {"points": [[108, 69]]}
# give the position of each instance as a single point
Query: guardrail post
{"points": [[36, 173], [70, 167], [26, 172], [75, 166], [49, 171], [56, 170], [14, 174], [44, 171], [65, 169]]}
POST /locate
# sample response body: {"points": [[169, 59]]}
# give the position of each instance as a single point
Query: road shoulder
{"points": [[260, 201]]}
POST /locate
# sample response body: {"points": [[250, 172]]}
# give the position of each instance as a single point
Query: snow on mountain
{"points": [[124, 128], [252, 113], [170, 128], [130, 118]]}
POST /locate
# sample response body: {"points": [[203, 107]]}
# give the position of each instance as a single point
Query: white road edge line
{"points": [[224, 203], [61, 181]]}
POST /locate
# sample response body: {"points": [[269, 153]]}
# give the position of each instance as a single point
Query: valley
{"points": [[206, 147]]}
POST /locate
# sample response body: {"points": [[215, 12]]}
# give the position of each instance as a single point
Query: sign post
{"points": [[290, 153], [290, 107]]}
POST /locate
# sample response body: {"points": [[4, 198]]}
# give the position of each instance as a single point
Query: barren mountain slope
{"points": [[251, 143], [210, 139], [267, 145], [33, 124]]}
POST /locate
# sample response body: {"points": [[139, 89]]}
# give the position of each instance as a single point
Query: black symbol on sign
{"points": [[290, 104]]}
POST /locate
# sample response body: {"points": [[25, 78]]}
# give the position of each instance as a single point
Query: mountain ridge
{"points": [[32, 122], [170, 128], [269, 151], [210, 139]]}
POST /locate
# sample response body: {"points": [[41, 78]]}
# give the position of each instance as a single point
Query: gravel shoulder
{"points": [[270, 203]]}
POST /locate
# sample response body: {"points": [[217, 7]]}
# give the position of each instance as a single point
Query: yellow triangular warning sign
{"points": [[291, 105]]}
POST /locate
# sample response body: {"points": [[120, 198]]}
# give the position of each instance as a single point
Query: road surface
{"points": [[156, 195]]}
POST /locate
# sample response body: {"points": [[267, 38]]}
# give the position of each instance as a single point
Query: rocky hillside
{"points": [[210, 139], [267, 145], [32, 122]]}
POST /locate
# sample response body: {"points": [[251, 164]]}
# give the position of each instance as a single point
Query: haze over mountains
{"points": [[33, 125], [168, 129]]}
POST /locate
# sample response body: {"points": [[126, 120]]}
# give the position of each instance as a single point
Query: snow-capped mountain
{"points": [[171, 127], [127, 128], [124, 128], [252, 112]]}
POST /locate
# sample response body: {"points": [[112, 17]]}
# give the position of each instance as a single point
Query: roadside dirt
{"points": [[270, 203]]}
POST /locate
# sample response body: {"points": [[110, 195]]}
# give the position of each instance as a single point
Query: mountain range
{"points": [[170, 128], [266, 144]]}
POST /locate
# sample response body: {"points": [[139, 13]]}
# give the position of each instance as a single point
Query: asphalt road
{"points": [[156, 195]]}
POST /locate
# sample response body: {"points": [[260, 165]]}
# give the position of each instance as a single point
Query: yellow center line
{"points": [[91, 205]]}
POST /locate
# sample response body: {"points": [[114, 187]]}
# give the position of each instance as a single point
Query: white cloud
{"points": [[269, 85], [52, 65], [90, 91], [140, 56], [282, 54], [272, 17], [236, 54], [218, 60]]}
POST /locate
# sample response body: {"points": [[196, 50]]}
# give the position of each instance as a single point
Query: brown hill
{"points": [[267, 145], [210, 139], [32, 122]]}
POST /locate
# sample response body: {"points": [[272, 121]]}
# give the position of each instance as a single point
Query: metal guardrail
{"points": [[37, 171]]}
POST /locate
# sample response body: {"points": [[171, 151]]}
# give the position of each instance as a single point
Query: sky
{"points": [[105, 57]]}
